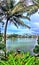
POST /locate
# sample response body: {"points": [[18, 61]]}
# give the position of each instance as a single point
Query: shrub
{"points": [[25, 59]]}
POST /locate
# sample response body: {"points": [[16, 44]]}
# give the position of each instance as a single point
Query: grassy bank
{"points": [[20, 58]]}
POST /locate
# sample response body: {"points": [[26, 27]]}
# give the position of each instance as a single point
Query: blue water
{"points": [[24, 44]]}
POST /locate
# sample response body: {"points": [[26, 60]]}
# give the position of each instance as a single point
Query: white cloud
{"points": [[36, 24]]}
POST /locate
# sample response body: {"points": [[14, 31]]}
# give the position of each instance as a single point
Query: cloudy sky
{"points": [[34, 24]]}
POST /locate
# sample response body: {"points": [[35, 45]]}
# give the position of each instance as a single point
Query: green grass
{"points": [[20, 59]]}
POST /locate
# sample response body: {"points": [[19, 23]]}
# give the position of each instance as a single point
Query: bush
{"points": [[36, 49], [2, 46], [19, 59]]}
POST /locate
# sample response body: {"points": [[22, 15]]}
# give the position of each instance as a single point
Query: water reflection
{"points": [[25, 44]]}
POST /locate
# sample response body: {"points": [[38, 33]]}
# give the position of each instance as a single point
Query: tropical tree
{"points": [[14, 13]]}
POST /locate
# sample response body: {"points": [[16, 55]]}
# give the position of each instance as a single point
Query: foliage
{"points": [[16, 11], [2, 45], [36, 49], [20, 59], [12, 35], [0, 36], [36, 2]]}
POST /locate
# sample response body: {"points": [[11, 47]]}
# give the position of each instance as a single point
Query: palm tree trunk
{"points": [[5, 36]]}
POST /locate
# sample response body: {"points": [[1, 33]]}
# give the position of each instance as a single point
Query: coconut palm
{"points": [[14, 13]]}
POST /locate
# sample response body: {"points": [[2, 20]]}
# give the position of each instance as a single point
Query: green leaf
{"points": [[2, 63], [30, 61]]}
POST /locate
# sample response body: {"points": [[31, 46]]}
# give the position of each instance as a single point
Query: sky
{"points": [[34, 24]]}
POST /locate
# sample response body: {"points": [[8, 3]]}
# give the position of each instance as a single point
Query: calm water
{"points": [[24, 44]]}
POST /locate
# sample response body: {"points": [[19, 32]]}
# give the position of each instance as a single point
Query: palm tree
{"points": [[15, 19], [14, 13]]}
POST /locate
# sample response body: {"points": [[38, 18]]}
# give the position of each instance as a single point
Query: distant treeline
{"points": [[20, 36], [12, 35]]}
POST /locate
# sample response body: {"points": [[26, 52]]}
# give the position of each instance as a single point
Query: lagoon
{"points": [[24, 44]]}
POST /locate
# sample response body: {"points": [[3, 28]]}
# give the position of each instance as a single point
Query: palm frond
{"points": [[20, 6], [25, 17], [28, 18], [20, 22], [14, 22], [36, 2], [22, 9], [32, 11], [21, 16]]}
